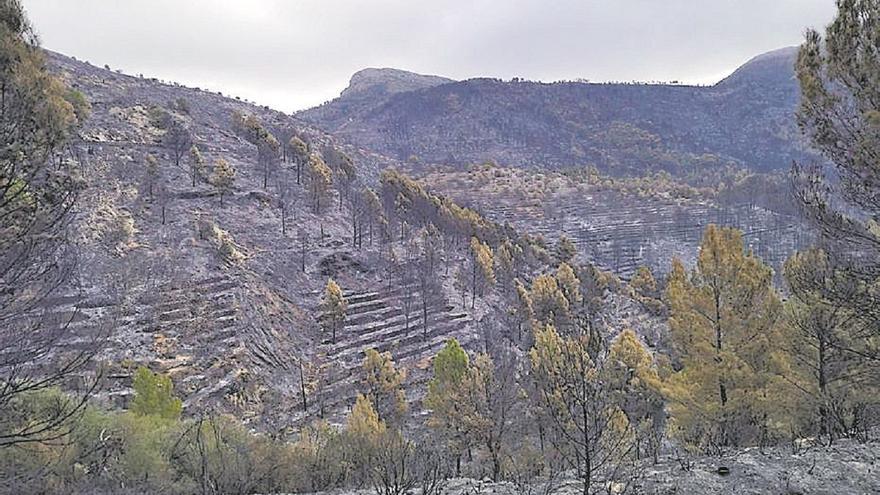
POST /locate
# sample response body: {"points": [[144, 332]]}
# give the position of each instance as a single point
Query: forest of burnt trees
{"points": [[551, 394]]}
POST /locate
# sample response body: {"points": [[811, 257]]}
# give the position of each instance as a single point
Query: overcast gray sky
{"points": [[298, 53]]}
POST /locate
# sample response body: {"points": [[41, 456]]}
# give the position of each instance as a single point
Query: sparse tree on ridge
{"points": [[164, 197], [152, 173], [303, 237], [286, 201], [268, 150], [299, 154], [196, 164], [482, 269], [426, 274], [357, 209], [405, 274], [374, 213], [223, 178], [177, 139], [320, 178]]}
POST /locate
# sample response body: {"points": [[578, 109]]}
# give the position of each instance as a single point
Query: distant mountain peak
{"points": [[776, 66], [385, 80], [787, 52]]}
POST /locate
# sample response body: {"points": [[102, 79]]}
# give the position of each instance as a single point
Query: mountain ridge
{"points": [[745, 120]]}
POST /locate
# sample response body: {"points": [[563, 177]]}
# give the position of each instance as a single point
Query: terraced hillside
{"points": [[223, 298], [617, 229], [378, 319]]}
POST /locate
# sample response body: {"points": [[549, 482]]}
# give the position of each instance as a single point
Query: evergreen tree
{"points": [[154, 395], [268, 149], [375, 214], [565, 249], [505, 261], [482, 269], [634, 377], [364, 432], [488, 398], [320, 178], [822, 353], [722, 322], [196, 164], [839, 77], [39, 186], [299, 154], [364, 422], [151, 173], [343, 168], [333, 308], [524, 311], [223, 177], [585, 424], [643, 282], [384, 386], [569, 284], [451, 366], [548, 301]]}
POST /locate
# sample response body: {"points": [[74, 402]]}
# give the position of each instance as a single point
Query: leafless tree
{"points": [[392, 471], [432, 467], [177, 139], [357, 210], [268, 156], [303, 236], [163, 196], [286, 201]]}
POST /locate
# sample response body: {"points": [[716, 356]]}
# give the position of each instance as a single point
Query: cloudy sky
{"points": [[298, 53]]}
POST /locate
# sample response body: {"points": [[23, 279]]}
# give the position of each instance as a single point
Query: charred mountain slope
{"points": [[215, 294], [745, 119]]}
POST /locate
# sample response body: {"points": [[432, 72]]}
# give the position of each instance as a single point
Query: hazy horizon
{"points": [[293, 56]]}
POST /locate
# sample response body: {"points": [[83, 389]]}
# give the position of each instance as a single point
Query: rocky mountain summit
{"points": [[386, 81], [745, 119], [367, 88]]}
